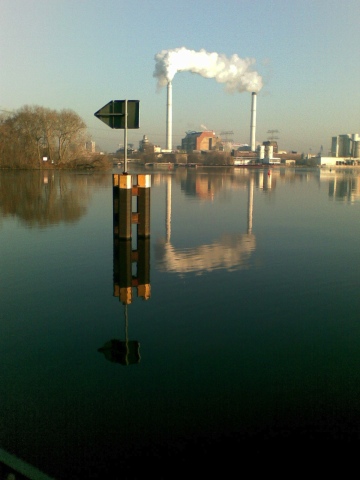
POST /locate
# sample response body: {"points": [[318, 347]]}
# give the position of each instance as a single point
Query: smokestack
{"points": [[169, 117], [253, 122]]}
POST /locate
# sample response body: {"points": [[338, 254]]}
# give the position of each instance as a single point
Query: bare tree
{"points": [[32, 132], [70, 134]]}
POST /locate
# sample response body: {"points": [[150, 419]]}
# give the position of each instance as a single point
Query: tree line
{"points": [[33, 134]]}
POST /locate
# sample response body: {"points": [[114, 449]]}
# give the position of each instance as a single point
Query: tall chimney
{"points": [[169, 117], [253, 122]]}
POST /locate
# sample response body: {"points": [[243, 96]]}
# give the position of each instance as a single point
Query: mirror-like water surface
{"points": [[249, 338]]}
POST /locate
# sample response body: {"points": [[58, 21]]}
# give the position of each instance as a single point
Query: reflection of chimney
{"points": [[250, 205], [168, 209], [169, 117], [253, 122]]}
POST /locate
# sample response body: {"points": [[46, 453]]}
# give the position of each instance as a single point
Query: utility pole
{"points": [[226, 133], [272, 136], [226, 141]]}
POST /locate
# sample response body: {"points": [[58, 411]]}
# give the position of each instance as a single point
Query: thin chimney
{"points": [[169, 117], [253, 122]]}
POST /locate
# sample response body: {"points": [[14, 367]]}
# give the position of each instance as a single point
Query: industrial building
{"points": [[347, 145], [345, 150], [264, 154], [197, 141], [145, 146]]}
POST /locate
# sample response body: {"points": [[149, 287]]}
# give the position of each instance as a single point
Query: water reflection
{"points": [[207, 183], [230, 251], [126, 352], [43, 198], [343, 187], [267, 353], [234, 251], [131, 264]]}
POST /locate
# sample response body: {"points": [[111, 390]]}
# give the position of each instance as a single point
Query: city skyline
{"points": [[80, 55]]}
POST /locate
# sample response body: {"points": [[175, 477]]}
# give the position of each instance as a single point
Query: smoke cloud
{"points": [[235, 72]]}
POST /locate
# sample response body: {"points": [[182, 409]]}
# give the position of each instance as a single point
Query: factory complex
{"points": [[210, 148], [345, 148]]}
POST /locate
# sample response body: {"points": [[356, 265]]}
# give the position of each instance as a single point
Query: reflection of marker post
{"points": [[131, 354], [124, 272], [124, 352], [143, 268]]}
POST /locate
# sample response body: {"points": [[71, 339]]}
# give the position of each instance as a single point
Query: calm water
{"points": [[250, 338]]}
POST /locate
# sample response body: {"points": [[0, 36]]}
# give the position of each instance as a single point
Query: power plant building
{"points": [[200, 141]]}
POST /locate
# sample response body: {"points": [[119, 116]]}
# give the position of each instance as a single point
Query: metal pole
{"points": [[126, 323], [125, 137]]}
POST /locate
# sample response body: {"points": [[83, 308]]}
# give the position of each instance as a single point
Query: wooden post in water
{"points": [[122, 194]]}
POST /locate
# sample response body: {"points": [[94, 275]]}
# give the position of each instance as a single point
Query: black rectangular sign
{"points": [[113, 114]]}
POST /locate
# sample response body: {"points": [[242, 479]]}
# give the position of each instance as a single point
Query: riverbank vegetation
{"points": [[36, 137]]}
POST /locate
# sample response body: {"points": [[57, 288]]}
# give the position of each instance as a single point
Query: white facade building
{"points": [[346, 145]]}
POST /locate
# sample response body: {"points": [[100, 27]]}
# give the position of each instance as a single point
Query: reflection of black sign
{"points": [[124, 352]]}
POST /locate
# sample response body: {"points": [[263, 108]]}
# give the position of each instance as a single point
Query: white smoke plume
{"points": [[235, 72]]}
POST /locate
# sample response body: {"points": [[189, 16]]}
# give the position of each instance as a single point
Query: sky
{"points": [[81, 54]]}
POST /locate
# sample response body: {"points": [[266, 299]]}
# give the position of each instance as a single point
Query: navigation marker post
{"points": [[121, 114]]}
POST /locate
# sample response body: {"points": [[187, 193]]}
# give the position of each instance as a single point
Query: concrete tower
{"points": [[169, 117], [253, 122]]}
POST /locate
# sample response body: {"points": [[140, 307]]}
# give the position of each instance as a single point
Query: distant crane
{"points": [[226, 133], [272, 136]]}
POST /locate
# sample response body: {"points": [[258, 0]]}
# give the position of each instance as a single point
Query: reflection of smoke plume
{"points": [[232, 252], [235, 72]]}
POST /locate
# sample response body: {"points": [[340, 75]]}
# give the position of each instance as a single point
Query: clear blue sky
{"points": [[80, 54]]}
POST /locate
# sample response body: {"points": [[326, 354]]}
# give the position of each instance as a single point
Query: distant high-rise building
{"points": [[346, 145], [147, 147]]}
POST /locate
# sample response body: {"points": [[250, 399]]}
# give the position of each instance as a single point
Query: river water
{"points": [[247, 340]]}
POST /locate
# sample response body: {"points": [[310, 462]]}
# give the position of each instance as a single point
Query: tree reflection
{"points": [[46, 197]]}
